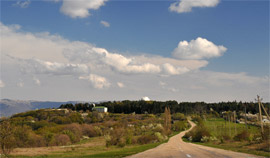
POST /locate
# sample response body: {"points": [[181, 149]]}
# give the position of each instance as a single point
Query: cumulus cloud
{"points": [[2, 84], [98, 82], [171, 70], [80, 8], [186, 5], [22, 4], [38, 66], [55, 49], [199, 48], [120, 85], [105, 23]]}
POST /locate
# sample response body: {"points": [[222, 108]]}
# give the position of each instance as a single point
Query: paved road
{"points": [[176, 148]]}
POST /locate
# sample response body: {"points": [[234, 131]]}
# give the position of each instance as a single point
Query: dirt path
{"points": [[177, 148]]}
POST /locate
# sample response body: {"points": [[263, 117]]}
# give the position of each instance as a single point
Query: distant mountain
{"points": [[9, 107]]}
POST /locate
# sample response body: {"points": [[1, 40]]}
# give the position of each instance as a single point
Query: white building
{"points": [[100, 109]]}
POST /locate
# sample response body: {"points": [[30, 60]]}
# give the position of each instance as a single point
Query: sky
{"points": [[97, 50]]}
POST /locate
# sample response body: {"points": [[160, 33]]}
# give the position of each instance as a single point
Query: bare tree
{"points": [[7, 140], [167, 119]]}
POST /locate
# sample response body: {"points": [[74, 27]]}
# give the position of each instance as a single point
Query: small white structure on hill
{"points": [[100, 109], [145, 98]]}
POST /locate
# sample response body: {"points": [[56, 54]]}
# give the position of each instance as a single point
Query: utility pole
{"points": [[246, 115], [260, 112], [234, 122]]}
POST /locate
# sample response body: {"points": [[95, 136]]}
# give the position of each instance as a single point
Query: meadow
{"points": [[218, 133]]}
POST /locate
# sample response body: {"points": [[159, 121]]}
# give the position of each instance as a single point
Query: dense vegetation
{"points": [[60, 127], [156, 107], [128, 122]]}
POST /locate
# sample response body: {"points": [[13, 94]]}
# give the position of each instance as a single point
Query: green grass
{"points": [[218, 128], [123, 152], [99, 151], [237, 147], [102, 152]]}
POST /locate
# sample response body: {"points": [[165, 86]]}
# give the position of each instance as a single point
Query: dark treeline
{"points": [[154, 107]]}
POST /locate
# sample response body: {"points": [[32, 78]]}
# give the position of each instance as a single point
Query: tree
{"points": [[7, 139], [167, 120]]}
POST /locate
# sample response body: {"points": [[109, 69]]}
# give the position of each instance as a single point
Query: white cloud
{"points": [[98, 82], [22, 3], [120, 85], [37, 81], [105, 23], [53, 53], [80, 8], [38, 66], [199, 48], [2, 84], [171, 70], [186, 5]]}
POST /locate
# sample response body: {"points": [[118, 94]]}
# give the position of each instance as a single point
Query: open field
{"points": [[219, 129], [95, 147]]}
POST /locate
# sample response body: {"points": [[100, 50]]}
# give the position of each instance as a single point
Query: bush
{"points": [[36, 140], [62, 139], [160, 137], [89, 130], [116, 137], [145, 139], [198, 133], [225, 137], [74, 128], [22, 136], [179, 116], [49, 139], [197, 119], [7, 139], [179, 126], [244, 135]]}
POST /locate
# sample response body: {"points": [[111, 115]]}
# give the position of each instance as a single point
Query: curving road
{"points": [[177, 148]]}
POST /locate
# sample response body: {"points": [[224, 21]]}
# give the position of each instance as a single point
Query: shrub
{"points": [[225, 137], [244, 135], [7, 139], [36, 140], [62, 139], [22, 135], [73, 138], [89, 130], [145, 139], [198, 133], [49, 139], [74, 128], [115, 136], [98, 130], [160, 137], [179, 116], [179, 125]]}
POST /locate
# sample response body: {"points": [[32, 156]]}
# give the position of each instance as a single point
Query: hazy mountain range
{"points": [[9, 107]]}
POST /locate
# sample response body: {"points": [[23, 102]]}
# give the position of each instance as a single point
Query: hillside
{"points": [[9, 107]]}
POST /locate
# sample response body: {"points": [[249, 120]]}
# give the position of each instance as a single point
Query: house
{"points": [[100, 109]]}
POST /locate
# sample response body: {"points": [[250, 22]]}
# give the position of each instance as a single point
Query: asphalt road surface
{"points": [[176, 148]]}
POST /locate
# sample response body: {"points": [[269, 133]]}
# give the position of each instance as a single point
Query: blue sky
{"points": [[150, 28]]}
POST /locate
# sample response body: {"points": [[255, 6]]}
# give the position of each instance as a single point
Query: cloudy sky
{"points": [[95, 50]]}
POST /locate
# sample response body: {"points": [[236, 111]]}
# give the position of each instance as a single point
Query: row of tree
{"points": [[154, 107]]}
